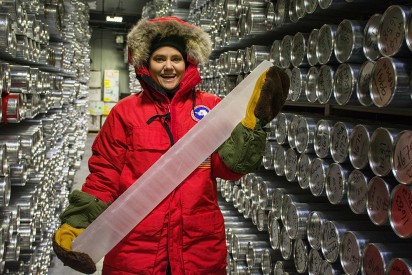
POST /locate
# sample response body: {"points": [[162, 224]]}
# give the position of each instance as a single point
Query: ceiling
{"points": [[130, 10]]}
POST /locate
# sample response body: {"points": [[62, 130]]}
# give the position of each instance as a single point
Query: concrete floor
{"points": [[57, 267]]}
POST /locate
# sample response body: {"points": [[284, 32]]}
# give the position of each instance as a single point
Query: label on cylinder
{"points": [[324, 46], [378, 201], [301, 256], [344, 84], [383, 82], [364, 79], [339, 142], [402, 157], [317, 177], [314, 230], [330, 242], [357, 191], [391, 31], [324, 84], [401, 211], [380, 152], [372, 261], [350, 254], [359, 146], [322, 138], [315, 261], [281, 128], [285, 244], [291, 162], [399, 267], [335, 184], [303, 171]]}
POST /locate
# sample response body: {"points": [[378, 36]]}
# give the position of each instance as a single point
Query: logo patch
{"points": [[199, 112]]}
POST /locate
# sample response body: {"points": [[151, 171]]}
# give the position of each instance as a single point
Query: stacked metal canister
{"points": [[44, 70]]}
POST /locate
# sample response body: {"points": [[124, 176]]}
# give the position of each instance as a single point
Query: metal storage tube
{"points": [[311, 83], [274, 55], [345, 83], [5, 190], [285, 51], [292, 128], [348, 45], [279, 162], [286, 244], [315, 261], [400, 210], [281, 267], [381, 150], [370, 37], [399, 266], [268, 157], [300, 255], [311, 47], [358, 190], [401, 157], [304, 169], [336, 183], [283, 121], [324, 85], [254, 253], [291, 161], [363, 83], [297, 84], [305, 134], [299, 50], [8, 42], [390, 82], [325, 45], [339, 141], [378, 200], [359, 145], [408, 31], [391, 32], [317, 176]]}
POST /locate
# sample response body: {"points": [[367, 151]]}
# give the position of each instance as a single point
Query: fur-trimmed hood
{"points": [[141, 36]]}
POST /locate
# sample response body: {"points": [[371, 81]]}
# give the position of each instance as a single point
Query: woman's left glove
{"points": [[243, 150], [83, 209]]}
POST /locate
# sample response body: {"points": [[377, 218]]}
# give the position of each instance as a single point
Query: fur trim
{"points": [[139, 39]]}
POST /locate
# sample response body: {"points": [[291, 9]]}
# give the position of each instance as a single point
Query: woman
{"points": [[185, 233]]}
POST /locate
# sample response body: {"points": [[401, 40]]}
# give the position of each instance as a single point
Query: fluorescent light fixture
{"points": [[118, 19]]}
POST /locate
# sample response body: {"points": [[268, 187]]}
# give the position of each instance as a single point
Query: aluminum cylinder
{"points": [[378, 200], [390, 82], [311, 83], [312, 43], [324, 85], [279, 162], [363, 83], [370, 37], [255, 20], [297, 85], [282, 125], [280, 12], [305, 134], [325, 45], [5, 190], [303, 172], [315, 261], [274, 55], [336, 183], [358, 190], [286, 244], [269, 154], [400, 210], [345, 83], [299, 50], [349, 38], [317, 176], [301, 255], [401, 157], [280, 267], [254, 253], [376, 257], [269, 258], [359, 145], [291, 162], [391, 32], [399, 266], [274, 234], [285, 51], [258, 54], [339, 141], [270, 16], [408, 31], [293, 126], [381, 150]]}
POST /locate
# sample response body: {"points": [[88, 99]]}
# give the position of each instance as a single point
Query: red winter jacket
{"points": [[186, 228]]}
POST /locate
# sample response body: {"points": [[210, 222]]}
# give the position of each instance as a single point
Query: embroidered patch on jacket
{"points": [[199, 112], [206, 163]]}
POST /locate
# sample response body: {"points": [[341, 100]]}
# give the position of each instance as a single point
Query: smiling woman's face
{"points": [[167, 67]]}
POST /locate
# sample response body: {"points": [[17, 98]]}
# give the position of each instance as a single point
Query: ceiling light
{"points": [[114, 18]]}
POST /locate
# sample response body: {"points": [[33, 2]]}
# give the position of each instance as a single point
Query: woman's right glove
{"points": [[83, 209]]}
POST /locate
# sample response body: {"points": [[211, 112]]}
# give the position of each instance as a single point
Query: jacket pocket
{"points": [[152, 137], [204, 224]]}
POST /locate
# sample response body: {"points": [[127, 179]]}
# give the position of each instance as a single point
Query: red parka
{"points": [[186, 228]]}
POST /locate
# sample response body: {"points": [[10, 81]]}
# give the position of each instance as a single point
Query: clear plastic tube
{"points": [[175, 165]]}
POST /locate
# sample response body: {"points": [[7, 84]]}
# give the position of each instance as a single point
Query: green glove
{"points": [[83, 209], [242, 152]]}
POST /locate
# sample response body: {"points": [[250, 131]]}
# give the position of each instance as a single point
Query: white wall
{"points": [[107, 55]]}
